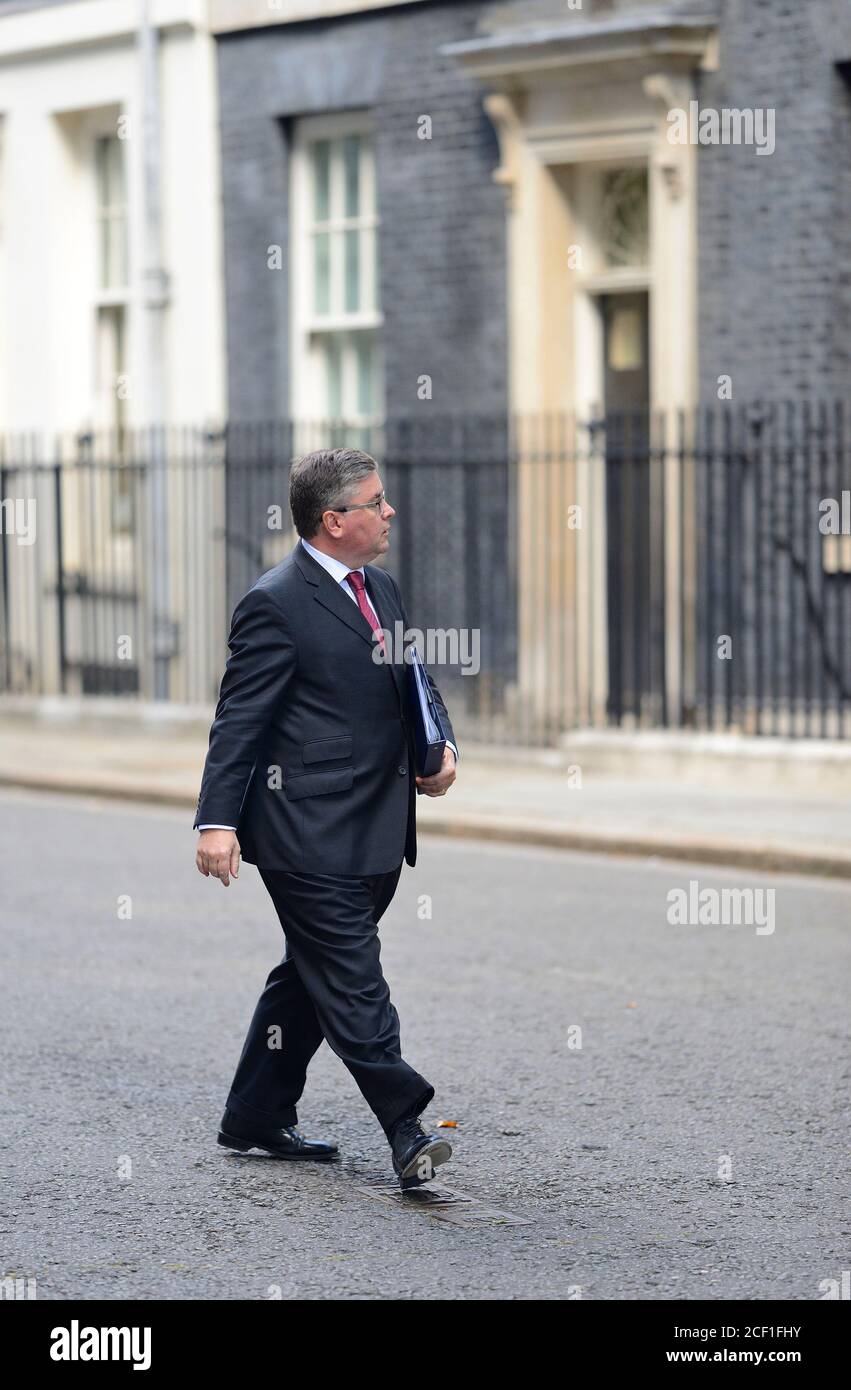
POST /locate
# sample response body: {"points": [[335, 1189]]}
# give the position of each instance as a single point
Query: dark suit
{"points": [[311, 758]]}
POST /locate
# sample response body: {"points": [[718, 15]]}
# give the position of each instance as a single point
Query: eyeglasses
{"points": [[357, 506]]}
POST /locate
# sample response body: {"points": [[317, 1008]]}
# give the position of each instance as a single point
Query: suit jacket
{"points": [[311, 753]]}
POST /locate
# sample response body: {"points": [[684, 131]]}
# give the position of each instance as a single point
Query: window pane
{"points": [[624, 217], [100, 169], [105, 251], [351, 163], [626, 340], [110, 173], [365, 377], [367, 165], [114, 261], [352, 271], [321, 152], [102, 156], [109, 169], [115, 170], [322, 272], [370, 269], [334, 367]]}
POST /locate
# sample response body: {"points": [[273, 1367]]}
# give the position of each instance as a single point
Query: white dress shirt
{"points": [[338, 571]]}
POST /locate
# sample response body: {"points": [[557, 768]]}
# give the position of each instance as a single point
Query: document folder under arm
{"points": [[429, 734]]}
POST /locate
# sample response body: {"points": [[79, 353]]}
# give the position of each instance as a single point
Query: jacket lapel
{"points": [[330, 594]]}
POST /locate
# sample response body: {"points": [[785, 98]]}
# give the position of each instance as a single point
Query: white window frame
{"points": [[308, 393], [111, 327], [108, 412]]}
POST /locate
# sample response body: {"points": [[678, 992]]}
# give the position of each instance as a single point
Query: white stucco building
{"points": [[85, 240], [111, 319]]}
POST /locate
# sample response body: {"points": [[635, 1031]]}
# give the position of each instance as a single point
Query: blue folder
{"points": [[429, 734]]}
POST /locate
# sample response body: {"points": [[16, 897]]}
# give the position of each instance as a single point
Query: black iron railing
{"points": [[631, 570]]}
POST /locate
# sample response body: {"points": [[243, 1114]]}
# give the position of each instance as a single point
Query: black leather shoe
{"points": [[284, 1141], [417, 1154]]}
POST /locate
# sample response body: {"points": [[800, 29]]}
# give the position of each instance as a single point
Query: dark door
{"points": [[627, 398]]}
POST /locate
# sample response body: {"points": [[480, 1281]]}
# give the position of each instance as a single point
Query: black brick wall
{"points": [[442, 229], [774, 262], [774, 237]]}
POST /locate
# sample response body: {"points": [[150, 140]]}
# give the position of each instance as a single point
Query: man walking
{"points": [[310, 775]]}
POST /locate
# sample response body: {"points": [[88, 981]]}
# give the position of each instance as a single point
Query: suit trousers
{"points": [[329, 985]]}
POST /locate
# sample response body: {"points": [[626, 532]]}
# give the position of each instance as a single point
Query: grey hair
{"points": [[322, 479]]}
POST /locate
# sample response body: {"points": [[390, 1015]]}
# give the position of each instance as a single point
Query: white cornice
{"points": [[582, 43], [227, 16], [24, 33]]}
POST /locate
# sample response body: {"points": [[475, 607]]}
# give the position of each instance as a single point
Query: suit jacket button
{"points": [[402, 771]]}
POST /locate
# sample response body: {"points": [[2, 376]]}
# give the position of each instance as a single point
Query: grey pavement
{"points": [[701, 1047], [731, 818]]}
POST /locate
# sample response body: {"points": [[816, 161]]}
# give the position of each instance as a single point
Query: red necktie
{"points": [[355, 578]]}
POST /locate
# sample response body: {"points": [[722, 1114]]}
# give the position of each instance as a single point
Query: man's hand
{"points": [[439, 782], [218, 854]]}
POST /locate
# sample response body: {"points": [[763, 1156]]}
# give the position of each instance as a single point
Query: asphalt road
{"points": [[695, 1146]]}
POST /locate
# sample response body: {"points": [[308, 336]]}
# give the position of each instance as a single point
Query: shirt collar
{"points": [[335, 567]]}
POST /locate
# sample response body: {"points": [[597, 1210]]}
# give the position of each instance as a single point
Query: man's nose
{"points": [[388, 510]]}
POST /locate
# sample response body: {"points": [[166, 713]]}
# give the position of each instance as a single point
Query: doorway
{"points": [[626, 385]]}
